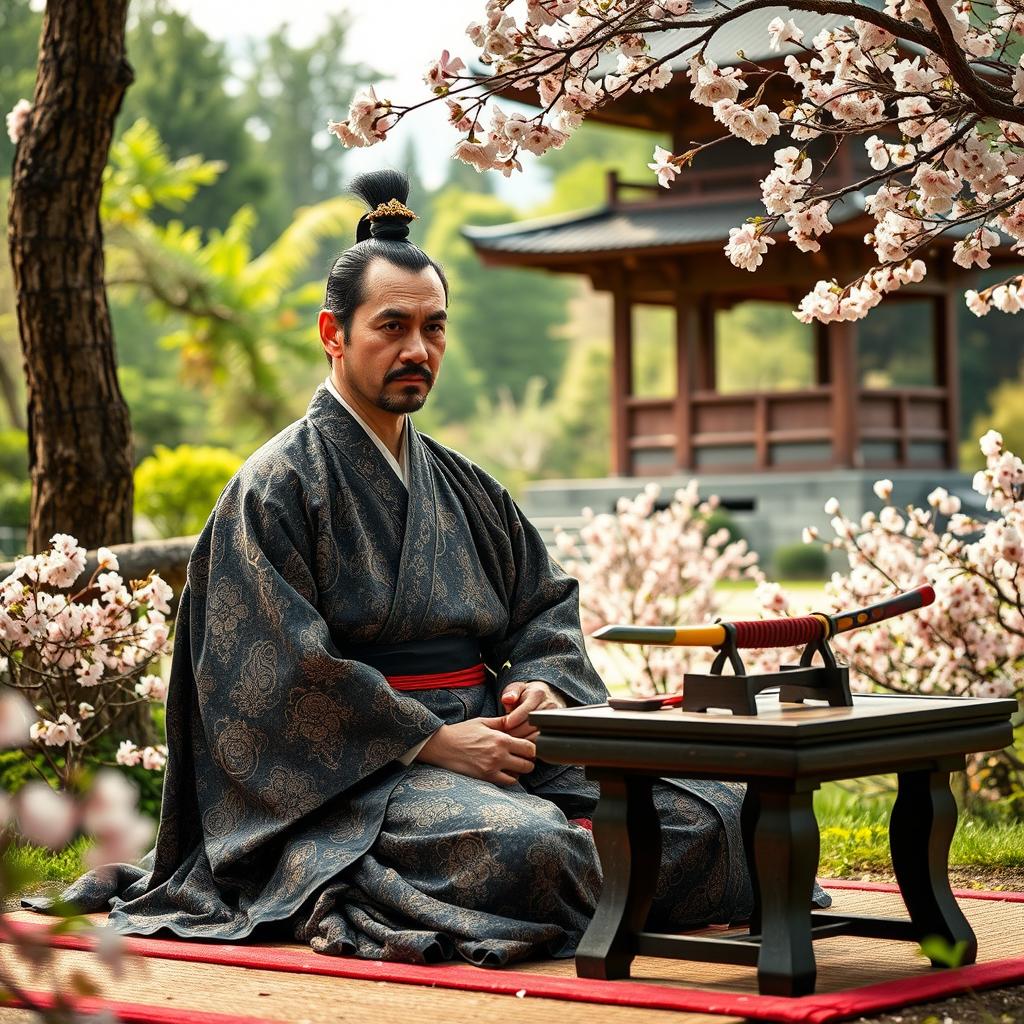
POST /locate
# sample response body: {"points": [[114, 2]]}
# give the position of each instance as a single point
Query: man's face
{"points": [[397, 337]]}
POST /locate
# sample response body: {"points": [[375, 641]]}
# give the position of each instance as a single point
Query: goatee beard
{"points": [[402, 403]]}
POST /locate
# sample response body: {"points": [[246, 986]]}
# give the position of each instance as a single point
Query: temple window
{"points": [[760, 346], [654, 351], [896, 345]]}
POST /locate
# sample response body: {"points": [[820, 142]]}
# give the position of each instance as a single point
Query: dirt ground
{"points": [[994, 1006]]}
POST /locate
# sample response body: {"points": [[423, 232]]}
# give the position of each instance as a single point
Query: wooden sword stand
{"points": [[828, 681]]}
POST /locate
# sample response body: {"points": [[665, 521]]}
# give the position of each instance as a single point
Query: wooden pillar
{"points": [[842, 352], [822, 367], [705, 369], [684, 380], [947, 369], [622, 375]]}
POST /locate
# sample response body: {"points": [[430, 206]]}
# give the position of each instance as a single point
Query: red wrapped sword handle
{"points": [[786, 632]]}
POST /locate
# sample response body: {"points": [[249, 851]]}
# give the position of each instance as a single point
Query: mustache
{"points": [[410, 371]]}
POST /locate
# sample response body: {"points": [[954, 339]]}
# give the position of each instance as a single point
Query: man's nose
{"points": [[415, 349]]}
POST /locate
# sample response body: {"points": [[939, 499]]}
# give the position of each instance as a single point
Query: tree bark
{"points": [[80, 449]]}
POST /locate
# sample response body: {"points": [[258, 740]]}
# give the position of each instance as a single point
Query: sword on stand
{"points": [[727, 638]]}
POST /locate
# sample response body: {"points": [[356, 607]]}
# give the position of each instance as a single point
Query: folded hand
{"points": [[481, 749], [519, 699]]}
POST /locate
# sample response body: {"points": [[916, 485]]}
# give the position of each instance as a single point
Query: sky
{"points": [[398, 37]]}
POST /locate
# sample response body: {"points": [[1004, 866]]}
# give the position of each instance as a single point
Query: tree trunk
{"points": [[80, 454]]}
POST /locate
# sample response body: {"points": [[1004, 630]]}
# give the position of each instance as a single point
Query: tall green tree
{"points": [[237, 316], [79, 435], [19, 48], [182, 88], [291, 92], [12, 384], [504, 322]]}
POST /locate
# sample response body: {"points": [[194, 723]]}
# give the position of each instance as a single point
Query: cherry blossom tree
{"points": [[118, 834], [933, 90], [970, 641], [652, 566], [76, 653]]}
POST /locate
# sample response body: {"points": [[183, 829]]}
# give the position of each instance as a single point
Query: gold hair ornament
{"points": [[392, 208]]}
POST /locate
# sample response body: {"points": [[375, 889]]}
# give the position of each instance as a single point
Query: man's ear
{"points": [[331, 336]]}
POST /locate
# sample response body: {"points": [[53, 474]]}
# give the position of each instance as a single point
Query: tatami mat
{"points": [[843, 962]]}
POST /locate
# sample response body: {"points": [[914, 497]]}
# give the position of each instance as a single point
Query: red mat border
{"points": [[816, 1009], [135, 1013], [1008, 896]]}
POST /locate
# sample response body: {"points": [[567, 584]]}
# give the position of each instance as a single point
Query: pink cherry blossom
{"points": [[18, 119], [664, 166], [971, 640], [780, 32], [651, 566], [711, 85], [128, 753], [16, 718], [100, 638], [151, 687], [944, 142], [109, 815], [480, 155], [670, 9], [44, 816], [442, 71], [348, 138], [746, 247]]}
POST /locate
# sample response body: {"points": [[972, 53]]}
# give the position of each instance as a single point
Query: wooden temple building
{"points": [[878, 398], [873, 398]]}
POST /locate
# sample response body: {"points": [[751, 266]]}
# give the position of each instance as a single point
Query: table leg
{"points": [[786, 857], [628, 837], [920, 831]]}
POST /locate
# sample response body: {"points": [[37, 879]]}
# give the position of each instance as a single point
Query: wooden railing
{"points": [[785, 430]]}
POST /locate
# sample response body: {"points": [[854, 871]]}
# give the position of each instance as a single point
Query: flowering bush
{"points": [[79, 654], [933, 89], [970, 641], [40, 815], [652, 568]]}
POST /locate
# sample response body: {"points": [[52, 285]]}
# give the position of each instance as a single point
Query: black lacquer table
{"points": [[783, 754]]}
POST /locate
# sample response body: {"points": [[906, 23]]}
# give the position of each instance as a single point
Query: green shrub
{"points": [[15, 497], [720, 519], [800, 562], [17, 768], [176, 488], [13, 455]]}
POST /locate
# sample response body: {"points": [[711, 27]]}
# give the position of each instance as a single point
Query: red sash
{"points": [[472, 676]]}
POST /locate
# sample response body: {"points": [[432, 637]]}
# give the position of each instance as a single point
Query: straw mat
{"points": [[185, 982]]}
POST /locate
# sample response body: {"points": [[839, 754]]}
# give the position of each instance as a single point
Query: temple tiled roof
{"points": [[748, 33], [622, 228]]}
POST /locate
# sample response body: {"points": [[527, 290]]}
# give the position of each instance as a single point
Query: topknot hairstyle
{"points": [[374, 189], [385, 237]]}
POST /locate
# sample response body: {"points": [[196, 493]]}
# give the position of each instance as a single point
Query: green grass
{"points": [[29, 867], [855, 836], [853, 826]]}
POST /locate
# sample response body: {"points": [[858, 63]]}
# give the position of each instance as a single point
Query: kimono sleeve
{"points": [[544, 639], [288, 722]]}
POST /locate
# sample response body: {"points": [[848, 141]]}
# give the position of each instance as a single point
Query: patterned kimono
{"points": [[285, 810]]}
